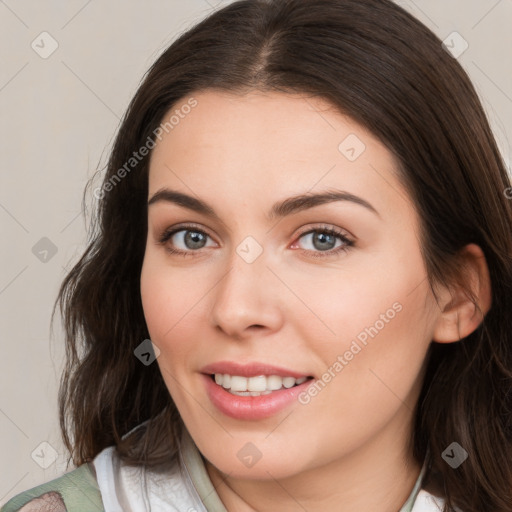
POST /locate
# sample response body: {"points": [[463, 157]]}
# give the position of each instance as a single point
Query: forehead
{"points": [[258, 145]]}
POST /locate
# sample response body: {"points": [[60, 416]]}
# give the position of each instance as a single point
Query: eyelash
{"points": [[168, 233]]}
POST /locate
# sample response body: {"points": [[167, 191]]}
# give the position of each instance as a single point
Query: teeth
{"points": [[255, 386], [274, 382], [288, 382], [226, 380], [257, 383], [239, 383]]}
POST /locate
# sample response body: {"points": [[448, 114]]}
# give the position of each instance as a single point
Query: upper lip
{"points": [[250, 370]]}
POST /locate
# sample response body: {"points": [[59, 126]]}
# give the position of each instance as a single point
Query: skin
{"points": [[347, 449]]}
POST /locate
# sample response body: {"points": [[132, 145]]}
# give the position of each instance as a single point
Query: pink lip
{"points": [[249, 370], [252, 407]]}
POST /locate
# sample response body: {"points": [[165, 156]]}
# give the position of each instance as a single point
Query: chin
{"points": [[251, 463]]}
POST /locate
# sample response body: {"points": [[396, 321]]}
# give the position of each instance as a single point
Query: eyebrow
{"points": [[280, 209]]}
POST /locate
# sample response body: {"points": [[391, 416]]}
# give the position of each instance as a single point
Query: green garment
{"points": [[77, 491]]}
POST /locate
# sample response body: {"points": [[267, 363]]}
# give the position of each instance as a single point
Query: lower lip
{"points": [[252, 407]]}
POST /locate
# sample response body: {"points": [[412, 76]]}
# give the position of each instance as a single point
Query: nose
{"points": [[246, 300]]}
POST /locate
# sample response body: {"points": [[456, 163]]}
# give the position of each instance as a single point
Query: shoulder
{"points": [[74, 491]]}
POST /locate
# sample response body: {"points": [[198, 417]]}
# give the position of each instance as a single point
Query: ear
{"points": [[459, 317]]}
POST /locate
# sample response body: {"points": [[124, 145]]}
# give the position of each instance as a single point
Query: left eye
{"points": [[322, 242]]}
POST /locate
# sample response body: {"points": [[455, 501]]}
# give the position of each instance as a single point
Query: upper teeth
{"points": [[261, 383]]}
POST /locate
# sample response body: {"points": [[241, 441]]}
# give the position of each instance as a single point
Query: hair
{"points": [[377, 64]]}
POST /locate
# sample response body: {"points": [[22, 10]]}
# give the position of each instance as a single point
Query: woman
{"points": [[298, 294]]}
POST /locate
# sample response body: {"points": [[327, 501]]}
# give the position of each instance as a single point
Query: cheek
{"points": [[378, 319], [368, 293], [162, 312], [172, 306], [158, 298]]}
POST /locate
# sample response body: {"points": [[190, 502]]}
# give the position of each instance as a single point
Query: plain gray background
{"points": [[59, 116]]}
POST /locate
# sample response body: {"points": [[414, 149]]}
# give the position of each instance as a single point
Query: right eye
{"points": [[189, 238]]}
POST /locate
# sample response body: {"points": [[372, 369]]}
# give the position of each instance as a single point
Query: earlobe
{"points": [[459, 316]]}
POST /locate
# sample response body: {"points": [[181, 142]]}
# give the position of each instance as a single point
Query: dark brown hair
{"points": [[379, 65]]}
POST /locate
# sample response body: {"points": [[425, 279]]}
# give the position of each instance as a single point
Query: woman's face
{"points": [[268, 289]]}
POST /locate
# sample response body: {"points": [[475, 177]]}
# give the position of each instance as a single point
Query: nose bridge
{"points": [[245, 296]]}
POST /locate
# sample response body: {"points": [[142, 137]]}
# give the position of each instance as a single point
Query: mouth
{"points": [[264, 391], [256, 386], [253, 390]]}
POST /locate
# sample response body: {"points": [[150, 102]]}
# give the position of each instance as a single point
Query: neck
{"points": [[379, 476]]}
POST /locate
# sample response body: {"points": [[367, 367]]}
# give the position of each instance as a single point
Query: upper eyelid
{"points": [[326, 227]]}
